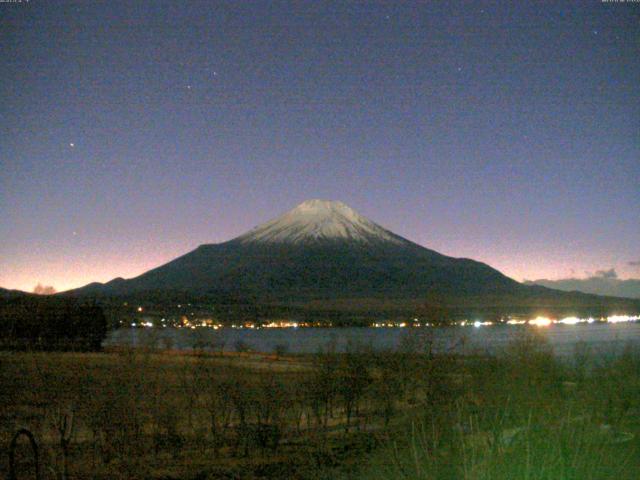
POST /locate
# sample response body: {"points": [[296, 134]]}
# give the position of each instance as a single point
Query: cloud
{"points": [[611, 273], [635, 263], [40, 289]]}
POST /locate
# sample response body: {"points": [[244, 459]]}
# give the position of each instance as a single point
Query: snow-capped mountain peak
{"points": [[316, 220]]}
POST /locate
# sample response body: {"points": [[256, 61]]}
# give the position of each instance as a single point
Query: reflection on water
{"points": [[601, 337]]}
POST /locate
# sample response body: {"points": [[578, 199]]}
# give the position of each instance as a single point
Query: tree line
{"points": [[51, 323]]}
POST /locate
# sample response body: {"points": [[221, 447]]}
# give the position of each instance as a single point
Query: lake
{"points": [[603, 338]]}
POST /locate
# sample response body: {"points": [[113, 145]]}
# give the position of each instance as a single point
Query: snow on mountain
{"points": [[315, 220]]}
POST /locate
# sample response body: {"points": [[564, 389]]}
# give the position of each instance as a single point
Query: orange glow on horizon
{"points": [[74, 270]]}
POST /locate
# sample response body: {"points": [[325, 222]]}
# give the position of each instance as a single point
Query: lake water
{"points": [[602, 338]]}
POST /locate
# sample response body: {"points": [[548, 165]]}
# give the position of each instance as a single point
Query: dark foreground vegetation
{"points": [[362, 414], [33, 322]]}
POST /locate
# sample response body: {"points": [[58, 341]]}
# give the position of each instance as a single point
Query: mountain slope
{"points": [[320, 220], [617, 287], [9, 294], [319, 248], [324, 251]]}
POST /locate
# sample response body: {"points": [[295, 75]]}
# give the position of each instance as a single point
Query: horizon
{"points": [[46, 289], [133, 133]]}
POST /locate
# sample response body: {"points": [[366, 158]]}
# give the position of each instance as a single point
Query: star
{"points": [[72, 144], [188, 87]]}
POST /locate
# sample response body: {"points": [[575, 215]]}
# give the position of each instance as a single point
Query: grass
{"points": [[523, 414], [136, 414]]}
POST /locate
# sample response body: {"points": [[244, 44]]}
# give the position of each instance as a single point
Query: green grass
{"points": [[524, 416], [145, 414]]}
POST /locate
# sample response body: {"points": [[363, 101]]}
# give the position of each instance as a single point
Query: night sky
{"points": [[131, 132]]}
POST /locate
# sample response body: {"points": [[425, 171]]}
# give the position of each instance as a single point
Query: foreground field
{"points": [[146, 414], [525, 416], [379, 415]]}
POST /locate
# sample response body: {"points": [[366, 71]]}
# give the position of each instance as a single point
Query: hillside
{"points": [[324, 256]]}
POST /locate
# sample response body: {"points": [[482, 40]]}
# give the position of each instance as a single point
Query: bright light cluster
{"points": [[622, 318], [283, 324], [546, 321], [479, 324], [570, 321], [541, 322], [516, 322], [391, 325]]}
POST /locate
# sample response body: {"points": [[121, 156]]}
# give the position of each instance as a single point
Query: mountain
{"points": [[317, 221], [324, 257], [6, 294], [596, 285], [318, 248]]}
